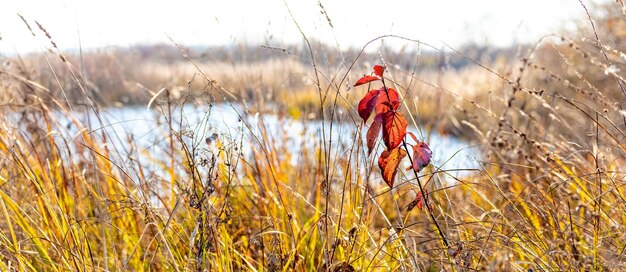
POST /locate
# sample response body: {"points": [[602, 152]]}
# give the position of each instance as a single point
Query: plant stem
{"points": [[419, 183], [425, 197]]}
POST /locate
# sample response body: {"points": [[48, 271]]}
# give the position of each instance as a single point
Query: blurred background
{"points": [[128, 51], [96, 24], [227, 131]]}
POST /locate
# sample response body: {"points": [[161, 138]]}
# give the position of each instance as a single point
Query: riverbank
{"points": [[263, 79]]}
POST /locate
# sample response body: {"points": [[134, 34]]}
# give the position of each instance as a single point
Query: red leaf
{"points": [[388, 163], [420, 199], [366, 79], [373, 132], [366, 105], [386, 103], [378, 70], [394, 128], [413, 136], [418, 202], [421, 156]]}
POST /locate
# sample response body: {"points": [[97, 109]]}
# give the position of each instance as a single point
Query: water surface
{"points": [[148, 129]]}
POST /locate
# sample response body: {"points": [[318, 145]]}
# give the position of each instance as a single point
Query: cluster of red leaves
{"points": [[385, 102]]}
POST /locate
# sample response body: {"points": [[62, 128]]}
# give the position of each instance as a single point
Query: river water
{"points": [[148, 129]]}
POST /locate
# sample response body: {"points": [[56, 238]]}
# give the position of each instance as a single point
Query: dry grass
{"points": [[547, 194], [279, 83]]}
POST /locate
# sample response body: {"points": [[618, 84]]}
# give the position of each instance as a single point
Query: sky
{"points": [[95, 24]]}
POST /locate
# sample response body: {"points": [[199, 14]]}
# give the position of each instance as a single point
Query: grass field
{"points": [[547, 192]]}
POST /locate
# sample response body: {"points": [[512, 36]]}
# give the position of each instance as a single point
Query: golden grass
{"points": [[547, 193]]}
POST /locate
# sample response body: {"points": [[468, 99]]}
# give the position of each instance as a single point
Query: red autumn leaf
{"points": [[420, 199], [413, 136], [373, 132], [386, 103], [394, 128], [421, 156], [365, 79], [378, 70], [417, 202], [388, 163], [366, 105]]}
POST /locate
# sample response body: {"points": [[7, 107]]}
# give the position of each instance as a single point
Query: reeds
{"points": [[546, 192]]}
